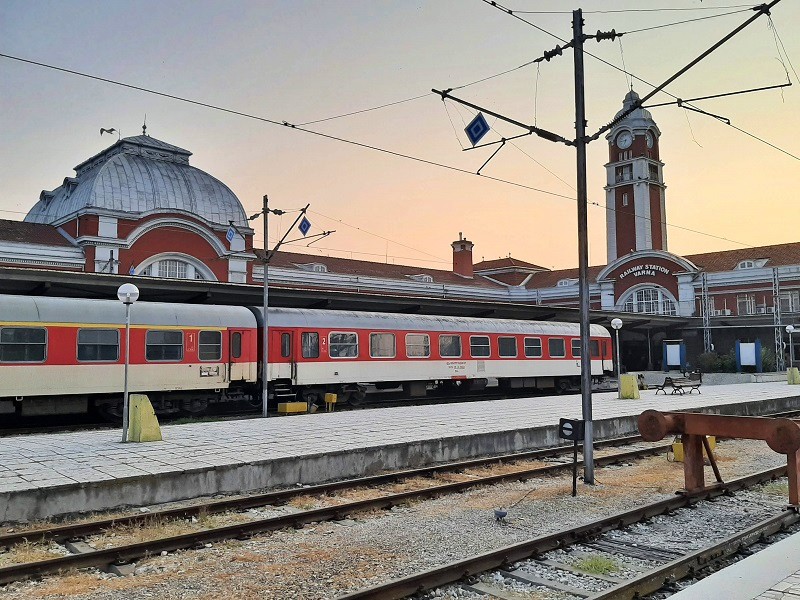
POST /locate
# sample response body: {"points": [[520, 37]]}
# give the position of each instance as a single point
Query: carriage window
{"points": [[418, 345], [556, 347], [210, 345], [286, 345], [98, 344], [479, 346], [576, 348], [533, 348], [164, 345], [507, 347], [22, 344], [310, 342], [450, 346], [382, 345], [594, 348], [236, 344], [343, 345]]}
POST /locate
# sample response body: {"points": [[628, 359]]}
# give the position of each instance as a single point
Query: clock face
{"points": [[624, 139], [649, 138]]}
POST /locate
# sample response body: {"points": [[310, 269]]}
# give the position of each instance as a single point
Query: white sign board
{"points": [[747, 354], [673, 355]]}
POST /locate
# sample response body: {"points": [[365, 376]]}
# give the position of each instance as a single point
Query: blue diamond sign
{"points": [[477, 128], [304, 226], [230, 234]]}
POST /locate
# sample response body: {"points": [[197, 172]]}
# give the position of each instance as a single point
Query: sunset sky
{"points": [[301, 61]]}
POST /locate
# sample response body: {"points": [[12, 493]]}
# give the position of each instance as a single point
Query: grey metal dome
{"points": [[138, 175]]}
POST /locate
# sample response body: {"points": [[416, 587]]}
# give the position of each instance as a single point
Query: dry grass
{"points": [[26, 552]]}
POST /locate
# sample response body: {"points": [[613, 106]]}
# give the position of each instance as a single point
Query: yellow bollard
{"points": [[793, 375], [629, 387], [330, 402], [143, 423], [677, 447]]}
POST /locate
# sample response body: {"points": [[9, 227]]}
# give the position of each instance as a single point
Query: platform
{"points": [[56, 474], [771, 574]]}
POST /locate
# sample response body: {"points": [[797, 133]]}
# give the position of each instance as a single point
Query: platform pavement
{"points": [[771, 574], [47, 475]]}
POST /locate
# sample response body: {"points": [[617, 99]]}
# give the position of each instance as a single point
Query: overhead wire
{"points": [[291, 126], [631, 10], [653, 27], [496, 5]]}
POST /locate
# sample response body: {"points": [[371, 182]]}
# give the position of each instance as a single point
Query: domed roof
{"points": [[639, 119], [138, 175]]}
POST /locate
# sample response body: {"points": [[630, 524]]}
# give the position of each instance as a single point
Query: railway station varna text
{"points": [[644, 270]]}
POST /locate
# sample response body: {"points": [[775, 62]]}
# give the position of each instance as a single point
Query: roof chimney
{"points": [[462, 256]]}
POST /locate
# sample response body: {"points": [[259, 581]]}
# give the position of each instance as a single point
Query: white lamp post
{"points": [[617, 325], [790, 331], [127, 294]]}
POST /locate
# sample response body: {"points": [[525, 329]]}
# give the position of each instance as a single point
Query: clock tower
{"points": [[635, 218]]}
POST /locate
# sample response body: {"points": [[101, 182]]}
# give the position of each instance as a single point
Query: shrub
{"points": [[768, 362], [708, 362]]}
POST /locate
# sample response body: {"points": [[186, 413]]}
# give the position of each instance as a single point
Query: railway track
{"points": [[127, 553], [515, 561]]}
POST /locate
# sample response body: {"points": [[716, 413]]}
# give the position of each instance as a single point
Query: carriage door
{"points": [[282, 354], [241, 355]]}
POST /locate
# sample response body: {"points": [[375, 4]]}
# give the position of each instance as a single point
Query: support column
{"points": [[793, 469], [693, 473]]}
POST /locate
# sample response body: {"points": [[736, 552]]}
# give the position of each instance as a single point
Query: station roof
{"points": [[32, 233]]}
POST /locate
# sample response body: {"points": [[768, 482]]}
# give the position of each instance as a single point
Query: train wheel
{"points": [[109, 410], [563, 386]]}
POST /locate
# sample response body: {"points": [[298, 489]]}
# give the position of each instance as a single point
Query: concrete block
{"points": [[793, 375], [629, 387], [143, 423], [287, 408]]}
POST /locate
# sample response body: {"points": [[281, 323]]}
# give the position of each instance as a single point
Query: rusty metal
{"points": [[782, 435], [712, 459]]}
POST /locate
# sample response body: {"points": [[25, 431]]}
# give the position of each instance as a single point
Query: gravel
{"points": [[325, 560]]}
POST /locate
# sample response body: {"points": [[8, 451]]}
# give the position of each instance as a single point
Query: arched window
{"points": [[649, 300], [174, 267]]}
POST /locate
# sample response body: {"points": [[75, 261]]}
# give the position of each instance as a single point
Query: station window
{"points": [[98, 344], [22, 344], [343, 345], [382, 345], [418, 345], [236, 344], [576, 348], [286, 345], [507, 347], [594, 348], [210, 345], [479, 346], [556, 348], [450, 346], [533, 348], [164, 345], [310, 342]]}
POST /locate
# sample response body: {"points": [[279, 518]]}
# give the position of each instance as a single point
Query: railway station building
{"points": [[139, 209]]}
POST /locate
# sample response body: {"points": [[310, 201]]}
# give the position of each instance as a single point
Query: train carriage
{"points": [[318, 351], [66, 355]]}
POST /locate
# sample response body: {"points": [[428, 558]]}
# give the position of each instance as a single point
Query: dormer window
{"points": [[313, 267], [566, 282], [746, 264], [421, 277]]}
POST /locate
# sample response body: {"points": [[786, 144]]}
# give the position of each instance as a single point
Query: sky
{"points": [[301, 61]]}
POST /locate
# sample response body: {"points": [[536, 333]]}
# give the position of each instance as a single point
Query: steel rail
{"points": [[503, 558], [78, 530], [686, 566], [127, 553]]}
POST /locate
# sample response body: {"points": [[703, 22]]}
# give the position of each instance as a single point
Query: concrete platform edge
{"points": [[119, 493]]}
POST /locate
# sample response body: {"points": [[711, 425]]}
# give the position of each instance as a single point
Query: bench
{"points": [[690, 381]]}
